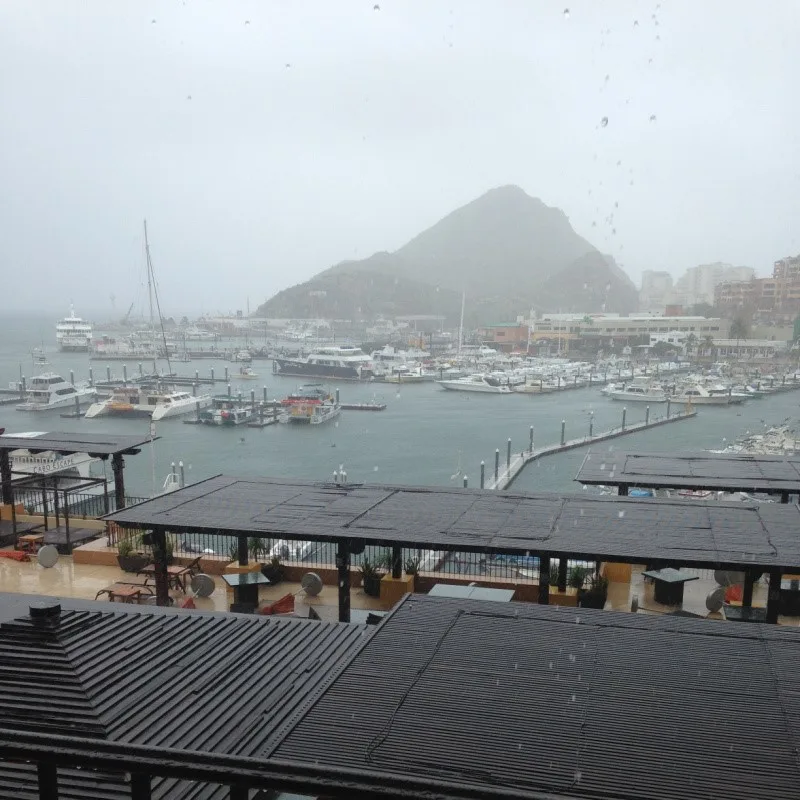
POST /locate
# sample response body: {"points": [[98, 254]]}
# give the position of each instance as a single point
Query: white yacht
{"points": [[49, 391], [698, 395], [638, 391], [477, 383], [158, 404], [73, 333]]}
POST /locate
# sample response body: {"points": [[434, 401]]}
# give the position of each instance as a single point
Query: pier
{"points": [[506, 473]]}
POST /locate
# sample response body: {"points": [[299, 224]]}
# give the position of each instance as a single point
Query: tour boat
{"points": [[49, 391], [310, 405], [477, 383], [73, 334], [332, 363]]}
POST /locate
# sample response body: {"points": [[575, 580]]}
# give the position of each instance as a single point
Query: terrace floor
{"points": [[83, 581]]}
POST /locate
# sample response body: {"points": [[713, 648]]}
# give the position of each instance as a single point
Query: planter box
{"points": [[587, 599], [372, 585], [133, 563], [393, 589]]}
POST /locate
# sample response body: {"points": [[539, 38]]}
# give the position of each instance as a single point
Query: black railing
{"points": [[83, 505], [322, 555]]}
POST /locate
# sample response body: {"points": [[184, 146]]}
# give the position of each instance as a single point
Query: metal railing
{"points": [[82, 505]]}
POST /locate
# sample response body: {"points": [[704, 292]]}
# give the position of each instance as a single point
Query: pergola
{"points": [[709, 535], [727, 472], [97, 445], [445, 699]]}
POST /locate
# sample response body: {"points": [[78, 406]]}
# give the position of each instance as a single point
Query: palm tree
{"points": [[689, 343], [708, 344], [740, 328]]}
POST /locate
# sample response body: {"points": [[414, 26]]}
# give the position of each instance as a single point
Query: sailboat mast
{"points": [[153, 292], [461, 323]]}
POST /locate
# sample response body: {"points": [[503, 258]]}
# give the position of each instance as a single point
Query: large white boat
{"points": [[73, 334], [477, 383], [698, 395], [158, 404], [339, 363], [638, 391], [48, 391]]}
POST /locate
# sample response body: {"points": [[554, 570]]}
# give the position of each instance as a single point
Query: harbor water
{"points": [[426, 435]]}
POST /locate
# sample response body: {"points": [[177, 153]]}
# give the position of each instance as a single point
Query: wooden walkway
{"points": [[507, 474]]}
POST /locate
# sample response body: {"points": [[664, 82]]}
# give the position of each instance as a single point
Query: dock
{"points": [[509, 471], [363, 406]]}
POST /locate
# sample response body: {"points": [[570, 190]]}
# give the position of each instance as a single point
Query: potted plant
{"points": [[577, 577], [412, 568], [372, 574], [597, 593], [128, 556], [256, 548], [273, 570]]}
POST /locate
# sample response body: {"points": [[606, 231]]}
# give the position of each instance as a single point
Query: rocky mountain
{"points": [[509, 252]]}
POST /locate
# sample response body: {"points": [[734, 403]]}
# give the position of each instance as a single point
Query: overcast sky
{"points": [[266, 141]]}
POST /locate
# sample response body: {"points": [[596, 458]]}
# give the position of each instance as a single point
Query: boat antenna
{"points": [[151, 280]]}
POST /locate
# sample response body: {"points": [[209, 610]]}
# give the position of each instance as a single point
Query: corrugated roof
{"points": [[529, 699], [96, 444], [730, 471], [623, 529], [211, 683]]}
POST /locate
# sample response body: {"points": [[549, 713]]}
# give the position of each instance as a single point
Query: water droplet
{"points": [[620, 514], [397, 396], [613, 231], [577, 776], [658, 38], [604, 121], [247, 22], [606, 78], [594, 225], [636, 23], [375, 468], [573, 698], [152, 22], [376, 8], [551, 665], [577, 620], [619, 163], [519, 746], [603, 466], [498, 681], [649, 60], [616, 205], [288, 66], [572, 657], [566, 13]]}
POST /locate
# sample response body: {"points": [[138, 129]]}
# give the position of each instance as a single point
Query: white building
{"points": [[614, 326], [656, 291], [697, 284]]}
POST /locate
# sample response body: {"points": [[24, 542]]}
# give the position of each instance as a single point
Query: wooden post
{"points": [[47, 775], [773, 596], [508, 455], [159, 539], [397, 561], [241, 541], [544, 580], [5, 477], [530, 446], [483, 474], [497, 464], [118, 468], [563, 430], [562, 574], [624, 412], [747, 594], [343, 568]]}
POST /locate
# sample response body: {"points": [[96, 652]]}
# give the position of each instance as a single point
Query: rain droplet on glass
{"points": [[652, 118], [620, 514], [572, 657], [604, 121], [566, 13], [577, 776], [376, 8], [636, 23]]}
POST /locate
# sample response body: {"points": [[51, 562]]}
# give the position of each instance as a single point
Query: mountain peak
{"points": [[505, 249]]}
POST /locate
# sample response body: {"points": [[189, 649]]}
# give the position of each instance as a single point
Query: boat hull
{"points": [[167, 412], [637, 398], [299, 369], [455, 386]]}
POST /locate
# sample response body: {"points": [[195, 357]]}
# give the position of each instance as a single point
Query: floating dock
{"points": [[509, 471]]}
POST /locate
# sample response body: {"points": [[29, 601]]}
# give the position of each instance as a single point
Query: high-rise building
{"points": [[656, 291], [698, 283]]}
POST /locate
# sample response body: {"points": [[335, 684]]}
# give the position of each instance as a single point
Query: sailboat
{"points": [[160, 401]]}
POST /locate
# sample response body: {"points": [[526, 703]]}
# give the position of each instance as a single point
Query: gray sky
{"points": [[385, 121]]}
